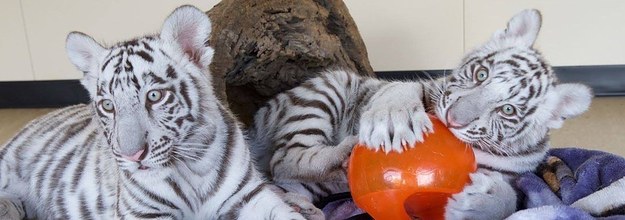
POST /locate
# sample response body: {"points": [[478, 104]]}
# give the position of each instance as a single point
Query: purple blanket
{"points": [[572, 179], [571, 184]]}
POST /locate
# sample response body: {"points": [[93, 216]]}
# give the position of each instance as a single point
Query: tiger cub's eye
{"points": [[508, 109], [481, 74], [155, 95], [107, 105]]}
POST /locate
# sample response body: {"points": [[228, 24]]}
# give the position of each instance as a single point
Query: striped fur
{"points": [[608, 201], [302, 137], [154, 143]]}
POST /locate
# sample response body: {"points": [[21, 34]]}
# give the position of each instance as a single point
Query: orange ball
{"points": [[416, 182]]}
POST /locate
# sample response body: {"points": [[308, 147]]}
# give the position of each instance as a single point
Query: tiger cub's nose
{"points": [[137, 156], [452, 122]]}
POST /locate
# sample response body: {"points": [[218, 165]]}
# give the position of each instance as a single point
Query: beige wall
{"points": [[574, 32], [399, 34], [410, 34], [14, 53], [433, 34], [47, 23]]}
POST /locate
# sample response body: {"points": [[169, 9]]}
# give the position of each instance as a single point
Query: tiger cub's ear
{"points": [[570, 100], [83, 51], [188, 29], [523, 28]]}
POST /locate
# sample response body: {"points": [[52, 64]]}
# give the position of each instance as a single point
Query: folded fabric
{"points": [[569, 176]]}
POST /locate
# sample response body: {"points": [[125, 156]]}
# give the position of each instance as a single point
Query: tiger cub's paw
{"points": [[394, 127], [302, 205], [488, 196], [9, 211]]}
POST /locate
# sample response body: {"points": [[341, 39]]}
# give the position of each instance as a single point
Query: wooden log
{"points": [[263, 47]]}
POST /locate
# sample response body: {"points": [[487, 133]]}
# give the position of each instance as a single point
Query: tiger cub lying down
{"points": [[503, 99], [154, 142]]}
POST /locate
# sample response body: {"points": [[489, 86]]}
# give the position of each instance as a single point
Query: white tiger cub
{"points": [[154, 143], [503, 99]]}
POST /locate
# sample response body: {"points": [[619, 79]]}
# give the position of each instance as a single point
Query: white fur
{"points": [[85, 53], [190, 30], [476, 105], [543, 212], [571, 100], [183, 162], [522, 28], [489, 196], [384, 119], [388, 111], [603, 200]]}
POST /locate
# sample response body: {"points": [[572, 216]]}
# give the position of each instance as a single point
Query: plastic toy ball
{"points": [[414, 183]]}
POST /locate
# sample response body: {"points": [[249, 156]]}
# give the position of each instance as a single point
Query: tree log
{"points": [[266, 47]]}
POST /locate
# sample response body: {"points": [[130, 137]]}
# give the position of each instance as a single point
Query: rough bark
{"points": [[263, 47]]}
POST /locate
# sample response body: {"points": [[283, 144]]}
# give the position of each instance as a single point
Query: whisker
{"points": [[186, 154], [193, 144], [180, 161]]}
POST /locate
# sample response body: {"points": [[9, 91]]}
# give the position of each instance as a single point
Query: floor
{"points": [[601, 128]]}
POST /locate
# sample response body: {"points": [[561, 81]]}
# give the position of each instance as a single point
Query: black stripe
{"points": [[488, 56], [307, 132], [519, 57], [135, 82], [312, 191], [509, 62], [310, 86], [147, 46], [59, 203], [184, 92], [176, 188], [323, 188], [326, 81], [87, 148], [151, 195], [468, 61], [511, 120], [156, 78], [298, 101], [164, 54], [100, 199], [85, 212], [296, 145], [47, 123], [243, 182], [145, 56], [171, 73], [276, 163], [313, 155], [106, 63], [298, 118], [136, 198], [613, 211], [151, 215], [229, 145], [69, 131], [234, 211]]}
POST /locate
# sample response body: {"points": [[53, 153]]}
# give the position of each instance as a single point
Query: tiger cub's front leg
{"points": [[488, 196], [395, 118], [315, 163], [11, 209]]}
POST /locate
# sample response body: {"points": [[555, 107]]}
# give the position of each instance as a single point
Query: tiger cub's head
{"points": [[504, 97], [151, 94]]}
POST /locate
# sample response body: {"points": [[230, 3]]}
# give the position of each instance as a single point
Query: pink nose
{"points": [[451, 122], [136, 157]]}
